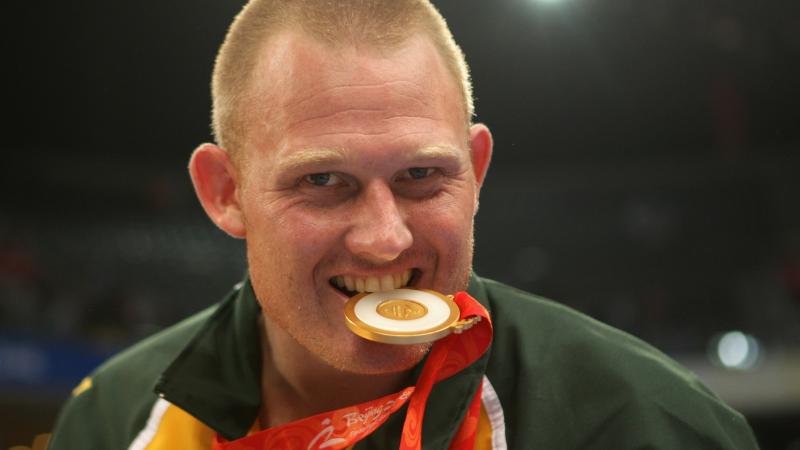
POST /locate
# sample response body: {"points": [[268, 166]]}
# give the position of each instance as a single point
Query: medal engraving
{"points": [[401, 309]]}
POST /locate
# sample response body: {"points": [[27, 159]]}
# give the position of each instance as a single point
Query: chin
{"points": [[364, 357]]}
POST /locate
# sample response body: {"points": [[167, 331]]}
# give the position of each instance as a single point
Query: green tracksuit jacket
{"points": [[552, 379]]}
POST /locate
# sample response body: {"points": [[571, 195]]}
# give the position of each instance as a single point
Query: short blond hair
{"points": [[382, 23]]}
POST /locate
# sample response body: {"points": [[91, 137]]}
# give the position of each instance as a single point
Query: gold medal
{"points": [[403, 316]]}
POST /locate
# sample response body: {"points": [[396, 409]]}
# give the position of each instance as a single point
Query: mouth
{"points": [[351, 285]]}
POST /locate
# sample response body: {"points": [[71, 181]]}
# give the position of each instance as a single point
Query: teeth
{"points": [[373, 284], [387, 283], [349, 283]]}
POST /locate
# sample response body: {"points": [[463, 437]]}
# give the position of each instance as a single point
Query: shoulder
{"points": [[119, 394], [143, 362], [534, 332], [576, 378]]}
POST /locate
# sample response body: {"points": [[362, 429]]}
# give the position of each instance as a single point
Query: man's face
{"points": [[356, 171]]}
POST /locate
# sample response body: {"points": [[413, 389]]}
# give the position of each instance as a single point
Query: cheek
{"points": [[456, 206], [448, 224], [306, 234], [284, 249]]}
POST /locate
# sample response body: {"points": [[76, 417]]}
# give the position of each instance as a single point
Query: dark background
{"points": [[645, 172]]}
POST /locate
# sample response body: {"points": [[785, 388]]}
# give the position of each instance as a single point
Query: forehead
{"points": [[307, 93], [302, 63]]}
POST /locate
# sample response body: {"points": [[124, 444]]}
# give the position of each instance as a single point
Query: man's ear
{"points": [[215, 182], [480, 142]]}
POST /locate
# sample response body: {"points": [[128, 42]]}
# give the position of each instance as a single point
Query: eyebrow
{"points": [[312, 157], [331, 156], [437, 152]]}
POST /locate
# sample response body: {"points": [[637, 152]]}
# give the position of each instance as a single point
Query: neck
{"points": [[296, 384]]}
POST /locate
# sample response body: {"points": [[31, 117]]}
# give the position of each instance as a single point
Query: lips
{"points": [[353, 284]]}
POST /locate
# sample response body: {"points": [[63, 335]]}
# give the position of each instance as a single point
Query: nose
{"points": [[379, 232]]}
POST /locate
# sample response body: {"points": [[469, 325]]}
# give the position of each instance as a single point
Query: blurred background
{"points": [[646, 172]]}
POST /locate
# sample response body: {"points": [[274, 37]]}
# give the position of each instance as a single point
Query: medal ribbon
{"points": [[344, 427]]}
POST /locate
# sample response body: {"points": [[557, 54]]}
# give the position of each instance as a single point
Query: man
{"points": [[347, 160]]}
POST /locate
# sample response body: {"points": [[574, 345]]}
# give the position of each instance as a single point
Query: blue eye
{"points": [[418, 173], [322, 179]]}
